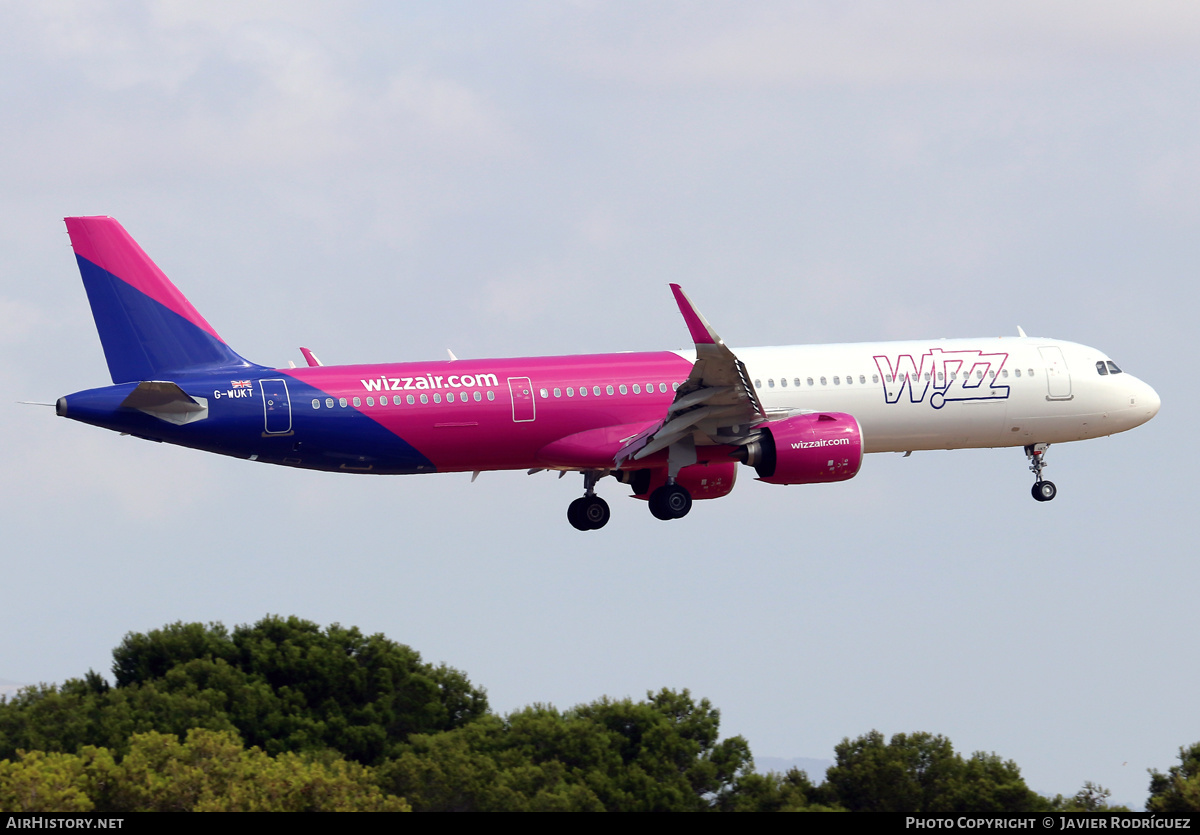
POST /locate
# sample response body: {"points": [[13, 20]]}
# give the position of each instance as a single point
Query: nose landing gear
{"points": [[1042, 490], [589, 512]]}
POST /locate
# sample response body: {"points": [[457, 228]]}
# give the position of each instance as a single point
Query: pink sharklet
{"points": [[106, 244], [702, 333]]}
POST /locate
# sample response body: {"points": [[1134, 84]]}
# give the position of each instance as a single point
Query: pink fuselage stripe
{"points": [[106, 244], [491, 434]]}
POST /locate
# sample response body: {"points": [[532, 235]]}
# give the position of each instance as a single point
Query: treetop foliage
{"points": [[1178, 791], [208, 772], [661, 754], [922, 774], [283, 714], [281, 684]]}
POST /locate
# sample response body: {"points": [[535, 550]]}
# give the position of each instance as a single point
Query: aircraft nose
{"points": [[1145, 401], [1151, 402]]}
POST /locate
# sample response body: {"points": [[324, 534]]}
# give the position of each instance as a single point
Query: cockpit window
{"points": [[1112, 366], [1101, 369]]}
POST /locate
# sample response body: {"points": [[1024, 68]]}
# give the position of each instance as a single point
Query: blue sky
{"points": [[382, 181]]}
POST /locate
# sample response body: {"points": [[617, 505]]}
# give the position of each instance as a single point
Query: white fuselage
{"points": [[954, 393]]}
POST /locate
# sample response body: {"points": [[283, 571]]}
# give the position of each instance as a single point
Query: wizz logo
{"points": [[944, 376]]}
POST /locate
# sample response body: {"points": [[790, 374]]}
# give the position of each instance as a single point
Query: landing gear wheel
{"points": [[596, 512], [588, 513], [1044, 491], [670, 502]]}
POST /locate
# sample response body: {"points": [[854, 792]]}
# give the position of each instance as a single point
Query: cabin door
{"points": [[524, 408], [277, 407], [1058, 378]]}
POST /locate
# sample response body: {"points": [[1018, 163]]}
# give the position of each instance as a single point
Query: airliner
{"points": [[673, 426]]}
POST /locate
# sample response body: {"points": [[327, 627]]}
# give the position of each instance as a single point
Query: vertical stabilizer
{"points": [[149, 330]]}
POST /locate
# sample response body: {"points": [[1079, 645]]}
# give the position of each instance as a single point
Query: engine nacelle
{"points": [[807, 449]]}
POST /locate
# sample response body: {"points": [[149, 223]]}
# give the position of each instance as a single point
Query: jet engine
{"points": [[806, 449]]}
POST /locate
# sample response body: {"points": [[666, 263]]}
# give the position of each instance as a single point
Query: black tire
{"points": [[577, 514], [1044, 491], [670, 502], [658, 507], [595, 512], [678, 501]]}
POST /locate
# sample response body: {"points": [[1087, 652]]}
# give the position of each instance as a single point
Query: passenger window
{"points": [[862, 379], [1017, 372], [637, 388], [396, 399], [329, 402], [979, 374], [1031, 372], [1004, 373], [357, 402], [783, 381], [796, 382], [810, 381], [491, 395], [837, 381], [425, 399], [758, 384], [437, 398], [583, 392], [674, 386], [342, 402], [370, 401], [479, 396], [849, 379], [609, 389], [545, 394], [624, 389], [557, 392], [596, 390], [662, 388], [823, 381], [874, 378], [316, 404]]}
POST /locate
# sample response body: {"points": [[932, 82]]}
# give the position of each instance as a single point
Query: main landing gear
{"points": [[589, 512], [670, 502], [1042, 490]]}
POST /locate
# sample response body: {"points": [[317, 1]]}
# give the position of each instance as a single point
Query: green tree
{"points": [[1178, 791], [281, 684], [1091, 798], [41, 782], [922, 774], [773, 792], [662, 754], [209, 771]]}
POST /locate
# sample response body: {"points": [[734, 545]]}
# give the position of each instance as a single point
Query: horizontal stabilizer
{"points": [[166, 401]]}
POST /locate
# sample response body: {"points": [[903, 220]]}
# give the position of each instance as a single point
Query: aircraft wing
{"points": [[716, 404]]}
